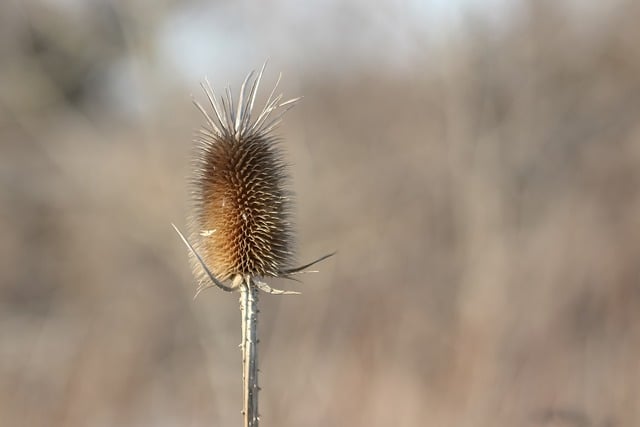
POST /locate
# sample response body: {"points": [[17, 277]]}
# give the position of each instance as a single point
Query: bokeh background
{"points": [[476, 164]]}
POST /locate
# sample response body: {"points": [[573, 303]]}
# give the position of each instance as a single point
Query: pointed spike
{"points": [[302, 267], [240, 113], [254, 91], [200, 289], [201, 261], [264, 115], [291, 101], [211, 94], [206, 115], [228, 124], [276, 121], [230, 111], [273, 91], [270, 105]]}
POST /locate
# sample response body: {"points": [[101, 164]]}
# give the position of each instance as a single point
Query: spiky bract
{"points": [[241, 223]]}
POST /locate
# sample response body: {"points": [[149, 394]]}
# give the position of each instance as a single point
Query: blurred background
{"points": [[476, 164]]}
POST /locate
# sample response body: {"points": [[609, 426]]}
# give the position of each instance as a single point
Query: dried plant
{"points": [[241, 226]]}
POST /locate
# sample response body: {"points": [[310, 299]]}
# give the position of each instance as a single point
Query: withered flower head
{"points": [[241, 223]]}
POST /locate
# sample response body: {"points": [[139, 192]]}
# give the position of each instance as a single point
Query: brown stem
{"points": [[249, 310]]}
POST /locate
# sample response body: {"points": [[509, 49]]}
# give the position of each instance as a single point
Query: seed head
{"points": [[241, 223]]}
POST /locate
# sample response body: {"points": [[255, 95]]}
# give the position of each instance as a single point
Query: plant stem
{"points": [[250, 389]]}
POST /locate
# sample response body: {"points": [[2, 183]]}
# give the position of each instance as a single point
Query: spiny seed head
{"points": [[241, 222]]}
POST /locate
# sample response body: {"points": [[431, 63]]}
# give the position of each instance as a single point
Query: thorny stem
{"points": [[249, 346], [249, 288]]}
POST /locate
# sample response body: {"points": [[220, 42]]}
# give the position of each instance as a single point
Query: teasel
{"points": [[241, 228]]}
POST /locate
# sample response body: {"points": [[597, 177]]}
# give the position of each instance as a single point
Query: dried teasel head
{"points": [[241, 224]]}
